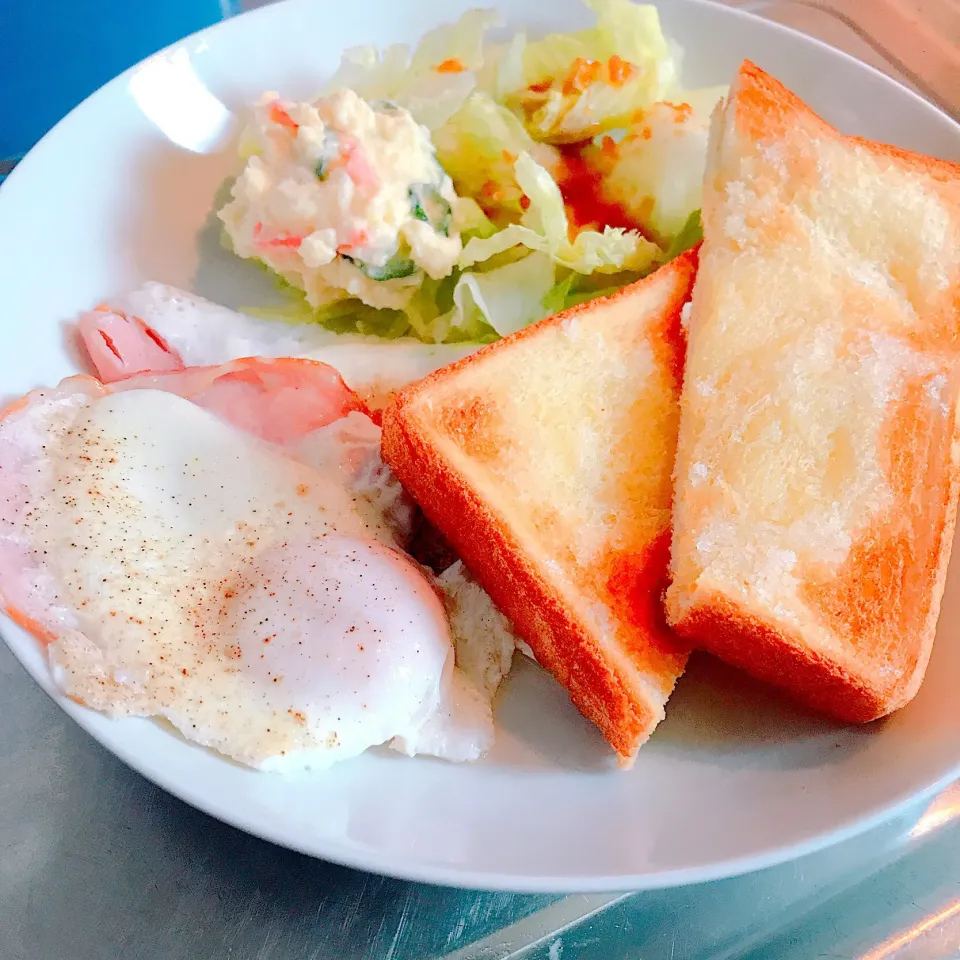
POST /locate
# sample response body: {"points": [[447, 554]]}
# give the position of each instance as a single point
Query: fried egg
{"points": [[222, 548]]}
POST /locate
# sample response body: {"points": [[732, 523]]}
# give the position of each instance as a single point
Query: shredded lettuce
{"points": [[427, 308], [556, 117], [474, 306], [623, 28], [575, 289], [469, 220], [557, 297], [575, 85], [656, 170], [509, 69], [689, 235], [342, 316], [462, 41], [478, 147], [506, 298], [345, 316], [584, 296], [372, 73], [432, 315], [431, 95], [634, 30], [544, 228]]}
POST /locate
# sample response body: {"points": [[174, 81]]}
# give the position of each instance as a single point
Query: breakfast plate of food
{"points": [[512, 448]]}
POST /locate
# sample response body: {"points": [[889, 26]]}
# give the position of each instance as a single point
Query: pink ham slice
{"points": [[120, 346], [279, 400]]}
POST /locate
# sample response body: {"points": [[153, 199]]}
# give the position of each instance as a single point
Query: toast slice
{"points": [[545, 459], [817, 469]]}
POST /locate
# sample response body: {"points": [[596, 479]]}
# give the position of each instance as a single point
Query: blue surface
{"points": [[55, 53]]}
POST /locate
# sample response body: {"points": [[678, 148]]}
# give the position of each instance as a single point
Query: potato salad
{"points": [[461, 189], [344, 198]]}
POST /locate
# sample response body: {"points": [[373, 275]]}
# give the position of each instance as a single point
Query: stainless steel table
{"points": [[96, 863]]}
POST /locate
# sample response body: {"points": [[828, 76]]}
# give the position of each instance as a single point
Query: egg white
{"points": [[188, 570]]}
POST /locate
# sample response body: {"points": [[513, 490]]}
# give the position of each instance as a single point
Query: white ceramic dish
{"points": [[122, 190]]}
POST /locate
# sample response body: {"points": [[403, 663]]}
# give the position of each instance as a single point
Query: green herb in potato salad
{"points": [[465, 189]]}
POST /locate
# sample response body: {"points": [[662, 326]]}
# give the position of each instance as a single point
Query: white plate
{"points": [[733, 780]]}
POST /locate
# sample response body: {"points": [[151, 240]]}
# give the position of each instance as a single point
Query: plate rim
{"points": [[447, 876], [267, 10]]}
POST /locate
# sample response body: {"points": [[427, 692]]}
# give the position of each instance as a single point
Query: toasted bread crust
{"points": [[682, 270], [849, 637], [772, 653], [537, 611], [768, 110], [625, 707], [781, 657]]}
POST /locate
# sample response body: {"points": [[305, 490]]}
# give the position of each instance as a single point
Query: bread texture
{"points": [[545, 460], [817, 468]]}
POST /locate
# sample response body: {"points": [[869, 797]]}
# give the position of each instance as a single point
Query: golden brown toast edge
{"points": [[766, 109], [483, 539], [780, 656]]}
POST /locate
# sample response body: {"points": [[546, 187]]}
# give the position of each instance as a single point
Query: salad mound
{"points": [[465, 189]]}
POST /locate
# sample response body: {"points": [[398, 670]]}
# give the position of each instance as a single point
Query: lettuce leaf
{"points": [[432, 96], [623, 28], [509, 69], [469, 220], [462, 40], [557, 297], [656, 170], [576, 289], [577, 85], [634, 31], [372, 73], [689, 235], [544, 228], [475, 306], [505, 299], [478, 147], [345, 316]]}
